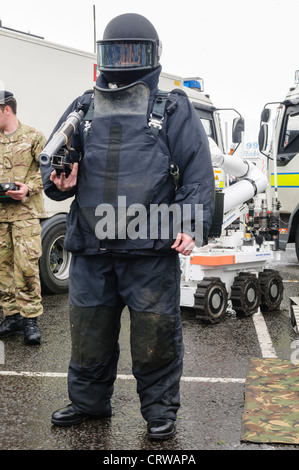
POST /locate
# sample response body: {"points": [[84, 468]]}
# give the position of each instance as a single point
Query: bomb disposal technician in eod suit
{"points": [[124, 164]]}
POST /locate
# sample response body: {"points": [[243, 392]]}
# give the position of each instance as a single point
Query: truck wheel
{"points": [[246, 294], [210, 300], [55, 261], [271, 289]]}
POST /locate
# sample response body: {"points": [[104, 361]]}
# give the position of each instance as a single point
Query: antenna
{"points": [[94, 30]]}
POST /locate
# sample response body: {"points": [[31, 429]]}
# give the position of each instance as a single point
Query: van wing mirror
{"points": [[263, 137], [238, 128], [266, 114]]}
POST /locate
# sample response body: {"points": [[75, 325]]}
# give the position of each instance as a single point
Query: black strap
{"points": [[156, 122], [89, 115], [112, 164], [158, 111]]}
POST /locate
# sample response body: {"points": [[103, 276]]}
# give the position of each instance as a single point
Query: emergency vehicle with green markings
{"points": [[279, 142]]}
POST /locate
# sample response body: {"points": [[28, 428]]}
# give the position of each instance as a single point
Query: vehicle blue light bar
{"points": [[194, 83]]}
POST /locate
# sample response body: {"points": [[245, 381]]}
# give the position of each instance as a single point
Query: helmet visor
{"points": [[127, 54]]}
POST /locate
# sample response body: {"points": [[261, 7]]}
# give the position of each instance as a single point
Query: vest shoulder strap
{"points": [[157, 115]]}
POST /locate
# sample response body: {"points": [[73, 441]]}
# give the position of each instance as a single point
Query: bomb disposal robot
{"points": [[231, 271]]}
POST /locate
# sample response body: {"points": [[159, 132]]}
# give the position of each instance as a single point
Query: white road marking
{"points": [[121, 376], [264, 338]]}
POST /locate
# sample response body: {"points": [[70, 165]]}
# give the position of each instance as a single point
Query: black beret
{"points": [[4, 95]]}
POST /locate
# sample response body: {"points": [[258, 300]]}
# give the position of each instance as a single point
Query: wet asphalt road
{"points": [[33, 383]]}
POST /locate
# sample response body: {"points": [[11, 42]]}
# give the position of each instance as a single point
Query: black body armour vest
{"points": [[125, 171]]}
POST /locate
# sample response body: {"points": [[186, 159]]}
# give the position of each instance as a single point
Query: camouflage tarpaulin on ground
{"points": [[271, 410]]}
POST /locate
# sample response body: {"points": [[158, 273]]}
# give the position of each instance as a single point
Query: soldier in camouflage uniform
{"points": [[20, 230]]}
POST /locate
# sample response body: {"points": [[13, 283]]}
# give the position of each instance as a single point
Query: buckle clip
{"points": [[155, 122]]}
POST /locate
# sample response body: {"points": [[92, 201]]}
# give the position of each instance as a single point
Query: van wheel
{"points": [[55, 261]]}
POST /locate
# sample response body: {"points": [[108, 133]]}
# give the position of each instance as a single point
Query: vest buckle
{"points": [[155, 122]]}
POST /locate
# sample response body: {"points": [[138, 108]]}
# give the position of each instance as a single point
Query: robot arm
{"points": [[252, 180]]}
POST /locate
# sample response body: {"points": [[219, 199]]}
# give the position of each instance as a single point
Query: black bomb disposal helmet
{"points": [[130, 44]]}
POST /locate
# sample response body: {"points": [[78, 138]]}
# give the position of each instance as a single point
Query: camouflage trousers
{"points": [[20, 250]]}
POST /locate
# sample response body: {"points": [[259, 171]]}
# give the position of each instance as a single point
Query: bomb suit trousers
{"points": [[100, 287]]}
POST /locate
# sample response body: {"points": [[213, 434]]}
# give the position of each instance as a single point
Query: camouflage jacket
{"points": [[19, 163]]}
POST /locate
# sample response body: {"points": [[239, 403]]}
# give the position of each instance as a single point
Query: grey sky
{"points": [[246, 51]]}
